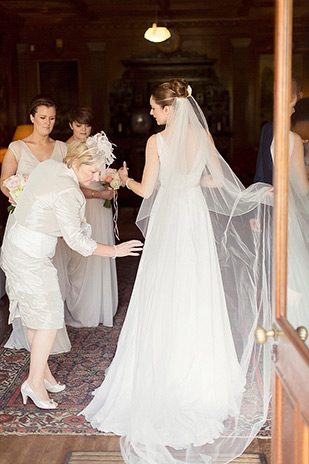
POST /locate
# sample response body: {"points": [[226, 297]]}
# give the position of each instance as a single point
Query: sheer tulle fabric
{"points": [[298, 242], [188, 384]]}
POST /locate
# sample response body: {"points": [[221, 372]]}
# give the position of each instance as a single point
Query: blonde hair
{"points": [[79, 152]]}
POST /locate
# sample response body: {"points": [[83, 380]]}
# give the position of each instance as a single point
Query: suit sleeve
{"points": [[259, 171]]}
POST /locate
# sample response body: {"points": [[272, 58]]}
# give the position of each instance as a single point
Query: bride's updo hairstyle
{"points": [[79, 152], [165, 93]]}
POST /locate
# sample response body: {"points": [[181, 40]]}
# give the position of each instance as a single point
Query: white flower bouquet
{"points": [[15, 185], [111, 179]]}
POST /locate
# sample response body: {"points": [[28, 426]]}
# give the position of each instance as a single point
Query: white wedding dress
{"points": [[186, 372], [176, 379]]}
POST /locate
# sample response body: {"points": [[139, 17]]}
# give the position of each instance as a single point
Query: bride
{"points": [[188, 384]]}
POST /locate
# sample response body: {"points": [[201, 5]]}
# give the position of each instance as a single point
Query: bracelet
{"points": [[129, 178], [92, 193], [114, 257]]}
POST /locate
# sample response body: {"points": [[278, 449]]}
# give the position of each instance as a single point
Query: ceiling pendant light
{"points": [[157, 34]]}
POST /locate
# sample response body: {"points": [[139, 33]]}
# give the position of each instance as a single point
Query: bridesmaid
{"points": [[22, 157], [92, 296]]}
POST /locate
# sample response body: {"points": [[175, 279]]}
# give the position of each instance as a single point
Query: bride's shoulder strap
{"points": [[159, 141]]}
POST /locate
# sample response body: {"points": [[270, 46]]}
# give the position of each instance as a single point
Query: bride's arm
{"points": [[150, 172]]}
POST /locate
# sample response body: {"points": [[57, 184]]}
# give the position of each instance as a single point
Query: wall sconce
{"points": [[157, 34], [22, 131]]}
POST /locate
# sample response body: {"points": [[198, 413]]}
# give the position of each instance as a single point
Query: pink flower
{"points": [[108, 179], [15, 184], [12, 182]]}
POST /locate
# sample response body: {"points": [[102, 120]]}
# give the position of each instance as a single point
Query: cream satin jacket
{"points": [[53, 204]]}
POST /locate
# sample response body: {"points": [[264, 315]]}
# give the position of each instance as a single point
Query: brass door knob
{"points": [[261, 334], [302, 333]]}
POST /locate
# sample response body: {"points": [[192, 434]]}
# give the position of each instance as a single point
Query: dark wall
{"points": [[83, 64]]}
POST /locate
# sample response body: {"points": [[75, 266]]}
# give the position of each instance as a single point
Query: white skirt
{"points": [[175, 377], [31, 279]]}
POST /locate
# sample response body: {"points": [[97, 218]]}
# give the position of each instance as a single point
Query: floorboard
{"points": [[36, 449]]}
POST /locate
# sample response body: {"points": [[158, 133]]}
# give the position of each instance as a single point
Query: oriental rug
{"points": [[82, 370], [114, 457]]}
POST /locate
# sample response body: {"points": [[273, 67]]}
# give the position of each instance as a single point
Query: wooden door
{"points": [[290, 403]]}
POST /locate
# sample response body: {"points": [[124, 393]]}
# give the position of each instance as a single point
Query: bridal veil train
{"points": [[188, 384]]}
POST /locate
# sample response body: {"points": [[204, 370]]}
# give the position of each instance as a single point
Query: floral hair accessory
{"points": [[189, 90], [101, 150]]}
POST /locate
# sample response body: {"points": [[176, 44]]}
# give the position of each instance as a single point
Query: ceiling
{"points": [[20, 19], [120, 11]]}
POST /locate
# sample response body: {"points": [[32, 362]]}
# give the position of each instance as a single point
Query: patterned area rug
{"points": [[82, 370], [114, 457]]}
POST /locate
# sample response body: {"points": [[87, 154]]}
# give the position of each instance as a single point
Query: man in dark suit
{"points": [[264, 163]]}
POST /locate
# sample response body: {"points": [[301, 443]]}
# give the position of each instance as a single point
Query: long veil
{"points": [[298, 241], [241, 220]]}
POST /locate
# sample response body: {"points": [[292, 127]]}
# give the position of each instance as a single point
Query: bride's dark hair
{"points": [[165, 93]]}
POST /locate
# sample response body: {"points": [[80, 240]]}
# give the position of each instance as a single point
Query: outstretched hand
{"points": [[255, 225], [129, 248]]}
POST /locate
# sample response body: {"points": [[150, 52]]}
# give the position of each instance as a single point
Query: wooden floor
{"points": [[52, 449]]}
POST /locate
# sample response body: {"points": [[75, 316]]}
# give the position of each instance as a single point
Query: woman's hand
{"points": [[128, 248], [107, 194], [255, 225], [11, 200], [124, 173]]}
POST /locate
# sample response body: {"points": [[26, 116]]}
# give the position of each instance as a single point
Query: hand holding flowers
{"points": [[111, 179], [15, 185]]}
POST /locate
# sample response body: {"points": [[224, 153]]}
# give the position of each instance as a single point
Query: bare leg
{"points": [[47, 373], [41, 342]]}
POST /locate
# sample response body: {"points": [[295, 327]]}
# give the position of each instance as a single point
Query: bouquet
{"points": [[111, 178], [15, 184]]}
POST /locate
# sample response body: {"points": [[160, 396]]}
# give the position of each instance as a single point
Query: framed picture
{"points": [[59, 79]]}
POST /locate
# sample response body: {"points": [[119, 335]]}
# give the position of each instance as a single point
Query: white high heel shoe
{"points": [[27, 392], [59, 387]]}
